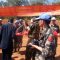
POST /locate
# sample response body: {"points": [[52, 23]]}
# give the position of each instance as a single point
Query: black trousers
{"points": [[30, 53], [7, 53]]}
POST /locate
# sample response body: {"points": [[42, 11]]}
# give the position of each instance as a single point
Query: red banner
{"points": [[27, 10]]}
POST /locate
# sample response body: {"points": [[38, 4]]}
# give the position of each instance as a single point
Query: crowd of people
{"points": [[42, 33]]}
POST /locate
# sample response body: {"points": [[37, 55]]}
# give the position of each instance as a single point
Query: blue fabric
{"points": [[6, 41], [44, 17]]}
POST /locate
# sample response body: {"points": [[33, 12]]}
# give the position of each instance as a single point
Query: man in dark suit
{"points": [[0, 29], [7, 40]]}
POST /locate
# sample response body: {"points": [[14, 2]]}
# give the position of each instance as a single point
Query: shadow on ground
{"points": [[1, 57], [22, 52], [22, 59], [58, 58]]}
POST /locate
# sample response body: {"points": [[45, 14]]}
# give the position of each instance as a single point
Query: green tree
{"points": [[57, 2], [24, 2], [12, 2], [2, 4]]}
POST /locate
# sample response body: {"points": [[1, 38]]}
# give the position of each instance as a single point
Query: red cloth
{"points": [[18, 34], [55, 33], [23, 33], [50, 38]]}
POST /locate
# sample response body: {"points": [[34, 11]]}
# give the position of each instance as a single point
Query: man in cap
{"points": [[16, 25], [54, 24], [55, 30], [44, 44], [19, 37], [33, 34]]}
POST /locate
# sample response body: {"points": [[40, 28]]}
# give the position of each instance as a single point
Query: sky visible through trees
{"points": [[27, 2]]}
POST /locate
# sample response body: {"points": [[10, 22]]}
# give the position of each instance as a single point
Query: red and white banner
{"points": [[28, 10]]}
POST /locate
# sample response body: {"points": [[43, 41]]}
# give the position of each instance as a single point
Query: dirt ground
{"points": [[21, 54]]}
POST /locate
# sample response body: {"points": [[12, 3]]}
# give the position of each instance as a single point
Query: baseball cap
{"points": [[0, 19], [44, 16], [17, 21], [53, 18]]}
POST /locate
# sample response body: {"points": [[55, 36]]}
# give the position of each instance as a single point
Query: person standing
{"points": [[15, 42], [0, 29], [54, 26], [32, 34], [7, 40], [44, 46], [55, 30], [19, 30]]}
